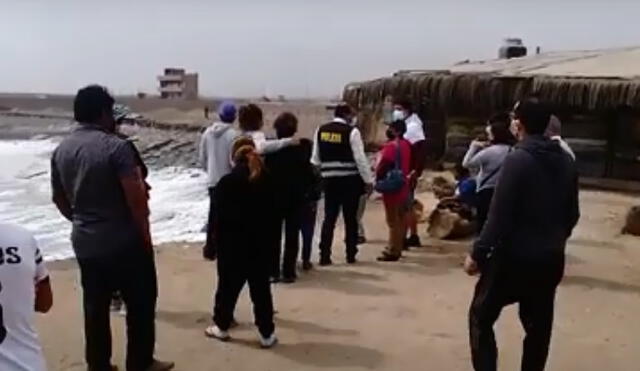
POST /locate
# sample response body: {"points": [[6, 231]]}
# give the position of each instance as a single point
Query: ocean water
{"points": [[179, 201]]}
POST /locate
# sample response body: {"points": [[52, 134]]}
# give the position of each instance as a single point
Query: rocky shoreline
{"points": [[161, 144]]}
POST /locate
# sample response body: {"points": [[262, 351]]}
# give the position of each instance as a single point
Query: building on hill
{"points": [[596, 94], [177, 83]]}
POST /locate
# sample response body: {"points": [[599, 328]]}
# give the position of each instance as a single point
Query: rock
{"points": [[451, 220], [632, 225], [443, 188]]}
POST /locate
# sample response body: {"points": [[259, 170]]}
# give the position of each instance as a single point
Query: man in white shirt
{"points": [[403, 110], [24, 290], [338, 151], [554, 132]]}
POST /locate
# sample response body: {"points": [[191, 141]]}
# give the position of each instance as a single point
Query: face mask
{"points": [[354, 121], [398, 115]]}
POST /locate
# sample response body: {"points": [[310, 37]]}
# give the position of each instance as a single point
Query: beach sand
{"points": [[409, 315]]}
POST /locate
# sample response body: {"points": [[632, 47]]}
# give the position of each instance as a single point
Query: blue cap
{"points": [[227, 111]]}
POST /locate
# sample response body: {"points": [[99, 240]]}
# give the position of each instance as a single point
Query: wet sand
{"points": [[409, 315]]}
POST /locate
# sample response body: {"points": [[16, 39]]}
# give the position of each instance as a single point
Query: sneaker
{"points": [[413, 241], [387, 258], [214, 332], [161, 366], [325, 262], [307, 266], [269, 342], [351, 260]]}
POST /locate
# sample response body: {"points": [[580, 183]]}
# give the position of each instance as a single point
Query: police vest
{"points": [[336, 156]]}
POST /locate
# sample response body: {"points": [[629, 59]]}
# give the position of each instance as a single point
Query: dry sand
{"points": [[409, 315]]}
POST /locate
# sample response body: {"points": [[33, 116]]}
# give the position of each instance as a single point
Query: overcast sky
{"points": [[290, 47]]}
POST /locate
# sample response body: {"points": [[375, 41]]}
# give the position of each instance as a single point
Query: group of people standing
{"points": [[527, 200], [527, 206], [260, 186]]}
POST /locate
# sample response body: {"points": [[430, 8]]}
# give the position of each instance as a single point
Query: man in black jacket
{"points": [[520, 253]]}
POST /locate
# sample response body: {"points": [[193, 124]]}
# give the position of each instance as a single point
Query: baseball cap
{"points": [[227, 111]]}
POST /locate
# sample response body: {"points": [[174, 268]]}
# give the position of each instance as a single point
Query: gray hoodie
{"points": [[215, 150]]}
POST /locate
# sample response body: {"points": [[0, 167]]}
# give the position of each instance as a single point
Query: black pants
{"points": [[133, 273], [291, 219], [307, 228], [534, 289], [483, 203], [341, 193], [232, 276], [209, 247]]}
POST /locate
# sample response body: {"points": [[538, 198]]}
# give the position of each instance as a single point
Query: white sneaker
{"points": [[269, 342], [216, 333]]}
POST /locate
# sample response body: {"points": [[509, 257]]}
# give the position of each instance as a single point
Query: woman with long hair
{"points": [[487, 157], [244, 204]]}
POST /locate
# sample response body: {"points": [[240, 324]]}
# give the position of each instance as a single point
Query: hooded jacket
{"points": [[534, 208], [215, 151]]}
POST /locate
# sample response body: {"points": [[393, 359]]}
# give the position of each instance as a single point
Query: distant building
{"points": [[513, 48], [176, 83]]}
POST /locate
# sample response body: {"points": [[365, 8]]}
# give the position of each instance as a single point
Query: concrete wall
{"points": [[190, 86]]}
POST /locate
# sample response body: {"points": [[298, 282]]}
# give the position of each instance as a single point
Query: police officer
{"points": [[338, 151]]}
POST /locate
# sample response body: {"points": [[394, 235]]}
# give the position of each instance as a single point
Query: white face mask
{"points": [[399, 115]]}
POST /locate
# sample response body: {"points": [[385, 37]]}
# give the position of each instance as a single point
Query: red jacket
{"points": [[387, 161]]}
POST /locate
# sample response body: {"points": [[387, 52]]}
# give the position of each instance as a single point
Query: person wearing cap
{"points": [[339, 152], [120, 113], [403, 110], [215, 158]]}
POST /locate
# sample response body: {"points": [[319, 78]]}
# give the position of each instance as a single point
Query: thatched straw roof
{"points": [[584, 80]]}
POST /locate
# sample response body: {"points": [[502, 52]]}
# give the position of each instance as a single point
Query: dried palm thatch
{"points": [[584, 81]]}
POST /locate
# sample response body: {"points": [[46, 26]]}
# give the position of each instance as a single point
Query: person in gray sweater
{"points": [[487, 157], [215, 159]]}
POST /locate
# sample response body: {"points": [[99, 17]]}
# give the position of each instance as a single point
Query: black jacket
{"points": [[243, 210], [292, 175], [534, 207]]}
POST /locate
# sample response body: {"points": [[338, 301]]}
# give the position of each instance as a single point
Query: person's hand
{"points": [[209, 253], [470, 266], [479, 143], [368, 189]]}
